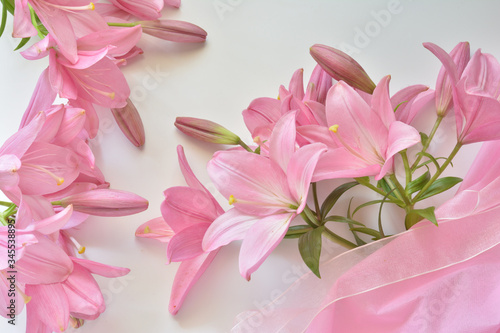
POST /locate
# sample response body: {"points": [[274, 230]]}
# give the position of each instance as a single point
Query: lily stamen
{"points": [[90, 6], [59, 180], [78, 246]]}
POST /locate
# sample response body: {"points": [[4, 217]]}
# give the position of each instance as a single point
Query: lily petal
{"points": [[188, 273], [260, 240], [186, 244], [228, 227]]}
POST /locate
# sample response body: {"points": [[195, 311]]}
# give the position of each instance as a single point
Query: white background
{"points": [[253, 46]]}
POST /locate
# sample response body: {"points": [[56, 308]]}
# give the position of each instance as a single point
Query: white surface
{"points": [[253, 47]]}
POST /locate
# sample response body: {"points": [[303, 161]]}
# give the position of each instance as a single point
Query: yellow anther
{"points": [[279, 97], [112, 95], [334, 128], [81, 250], [232, 199], [147, 230], [256, 139], [60, 181], [92, 6]]}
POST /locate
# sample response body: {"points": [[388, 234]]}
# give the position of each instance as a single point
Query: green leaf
{"points": [[417, 215], [9, 5], [297, 230], [22, 43], [432, 158], [417, 184], [439, 186], [384, 186], [359, 241], [334, 196], [310, 249], [4, 19], [368, 231], [369, 203], [257, 150], [341, 219], [423, 138]]}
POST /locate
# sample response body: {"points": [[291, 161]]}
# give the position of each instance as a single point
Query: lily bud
{"points": [[175, 31], [206, 130], [104, 202], [129, 121], [342, 67], [444, 92]]}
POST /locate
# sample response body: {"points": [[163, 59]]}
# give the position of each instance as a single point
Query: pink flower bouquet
{"points": [[344, 126]]}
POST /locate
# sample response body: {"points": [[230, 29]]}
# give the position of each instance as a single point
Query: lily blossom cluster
{"points": [[88, 42], [48, 173], [340, 126]]}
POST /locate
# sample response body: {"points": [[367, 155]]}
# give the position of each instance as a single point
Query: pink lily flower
{"points": [[94, 77], [475, 95], [267, 194], [410, 101], [54, 306], [444, 91], [57, 17], [31, 167], [263, 113], [368, 135], [187, 212]]}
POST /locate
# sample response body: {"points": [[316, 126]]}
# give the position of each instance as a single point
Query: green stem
{"points": [[5, 203], [316, 202], [439, 171], [311, 216], [427, 143], [245, 146], [406, 164], [339, 240], [399, 189]]}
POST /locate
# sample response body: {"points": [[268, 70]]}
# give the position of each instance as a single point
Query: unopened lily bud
{"points": [[175, 31], [444, 91], [129, 121], [206, 130], [106, 202], [342, 67]]}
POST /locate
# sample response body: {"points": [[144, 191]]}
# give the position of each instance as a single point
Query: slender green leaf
{"points": [[359, 241], [430, 157], [439, 186], [384, 186], [9, 5], [310, 249], [417, 184], [417, 215], [4, 19], [332, 198], [423, 138], [22, 43], [257, 150], [341, 219], [297, 230], [368, 231], [369, 203]]}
